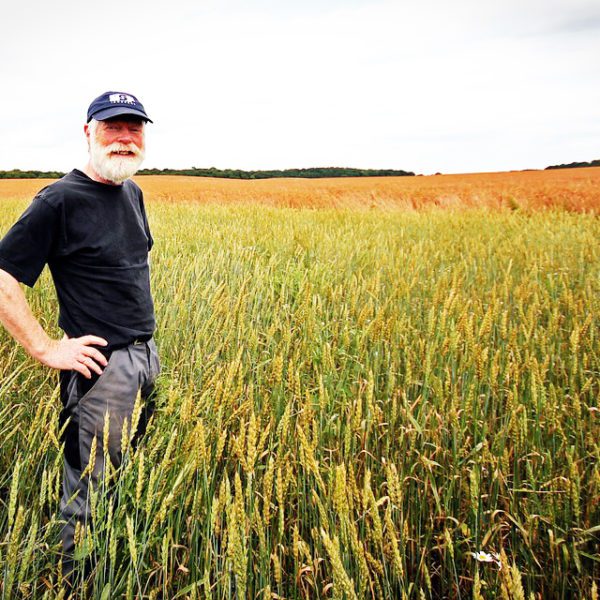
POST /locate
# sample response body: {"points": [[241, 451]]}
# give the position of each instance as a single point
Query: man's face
{"points": [[116, 147]]}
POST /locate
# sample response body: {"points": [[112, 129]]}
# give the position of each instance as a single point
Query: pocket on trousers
{"points": [[85, 385]]}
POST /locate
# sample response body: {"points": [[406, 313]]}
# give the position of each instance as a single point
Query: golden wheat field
{"points": [[570, 189], [392, 403]]}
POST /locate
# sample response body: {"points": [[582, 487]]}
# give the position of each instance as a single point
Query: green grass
{"points": [[350, 404]]}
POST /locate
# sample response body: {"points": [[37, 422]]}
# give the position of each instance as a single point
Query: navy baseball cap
{"points": [[115, 104]]}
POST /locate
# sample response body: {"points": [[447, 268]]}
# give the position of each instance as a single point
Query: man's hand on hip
{"points": [[76, 354], [68, 353]]}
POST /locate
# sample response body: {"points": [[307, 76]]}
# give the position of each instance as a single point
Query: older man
{"points": [[90, 227]]}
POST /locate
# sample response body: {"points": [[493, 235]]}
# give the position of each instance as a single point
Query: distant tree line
{"points": [[574, 165], [18, 174], [313, 172]]}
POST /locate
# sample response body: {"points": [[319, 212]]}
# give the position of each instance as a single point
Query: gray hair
{"points": [[93, 126]]}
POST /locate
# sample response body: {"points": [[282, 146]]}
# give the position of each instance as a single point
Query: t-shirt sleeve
{"points": [[29, 243]]}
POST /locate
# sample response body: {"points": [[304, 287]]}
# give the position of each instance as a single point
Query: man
{"points": [[90, 227]]}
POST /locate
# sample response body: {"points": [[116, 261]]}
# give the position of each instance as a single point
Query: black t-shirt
{"points": [[95, 239]]}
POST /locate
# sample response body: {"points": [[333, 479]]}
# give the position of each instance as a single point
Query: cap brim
{"points": [[118, 111]]}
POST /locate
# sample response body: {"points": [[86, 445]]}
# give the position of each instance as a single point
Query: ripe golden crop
{"points": [[354, 403], [570, 189]]}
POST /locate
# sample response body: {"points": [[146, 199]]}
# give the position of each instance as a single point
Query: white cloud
{"points": [[460, 86]]}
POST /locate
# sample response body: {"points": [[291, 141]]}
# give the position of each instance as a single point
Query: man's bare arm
{"points": [[68, 353]]}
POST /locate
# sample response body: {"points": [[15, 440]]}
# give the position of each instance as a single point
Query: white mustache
{"points": [[117, 147]]}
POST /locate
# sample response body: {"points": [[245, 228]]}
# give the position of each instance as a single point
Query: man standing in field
{"points": [[90, 227]]}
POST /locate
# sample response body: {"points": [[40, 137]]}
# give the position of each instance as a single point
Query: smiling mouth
{"points": [[123, 153]]}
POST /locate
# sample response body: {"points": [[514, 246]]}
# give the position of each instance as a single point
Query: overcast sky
{"points": [[462, 86]]}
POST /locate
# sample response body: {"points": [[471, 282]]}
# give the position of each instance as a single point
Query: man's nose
{"points": [[125, 136]]}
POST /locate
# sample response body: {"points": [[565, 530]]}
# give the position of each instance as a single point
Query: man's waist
{"points": [[134, 342]]}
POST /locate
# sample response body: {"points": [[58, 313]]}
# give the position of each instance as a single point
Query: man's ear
{"points": [[87, 132]]}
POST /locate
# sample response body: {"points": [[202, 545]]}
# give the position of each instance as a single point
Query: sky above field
{"points": [[458, 86]]}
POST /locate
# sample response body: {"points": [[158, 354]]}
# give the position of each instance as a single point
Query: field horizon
{"points": [[575, 190]]}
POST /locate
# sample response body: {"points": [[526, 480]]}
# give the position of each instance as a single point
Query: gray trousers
{"points": [[129, 370]]}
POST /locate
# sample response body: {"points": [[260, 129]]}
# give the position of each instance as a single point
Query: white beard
{"points": [[110, 167]]}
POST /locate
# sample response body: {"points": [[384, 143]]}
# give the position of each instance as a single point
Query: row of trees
{"points": [[18, 174], [574, 165], [312, 172], [230, 173]]}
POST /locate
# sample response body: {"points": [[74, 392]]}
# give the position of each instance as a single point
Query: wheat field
{"points": [[399, 402], [569, 189]]}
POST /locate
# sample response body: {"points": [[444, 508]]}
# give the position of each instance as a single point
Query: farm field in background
{"points": [[571, 189], [352, 401]]}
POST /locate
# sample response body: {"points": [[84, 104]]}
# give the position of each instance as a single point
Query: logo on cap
{"points": [[121, 99]]}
